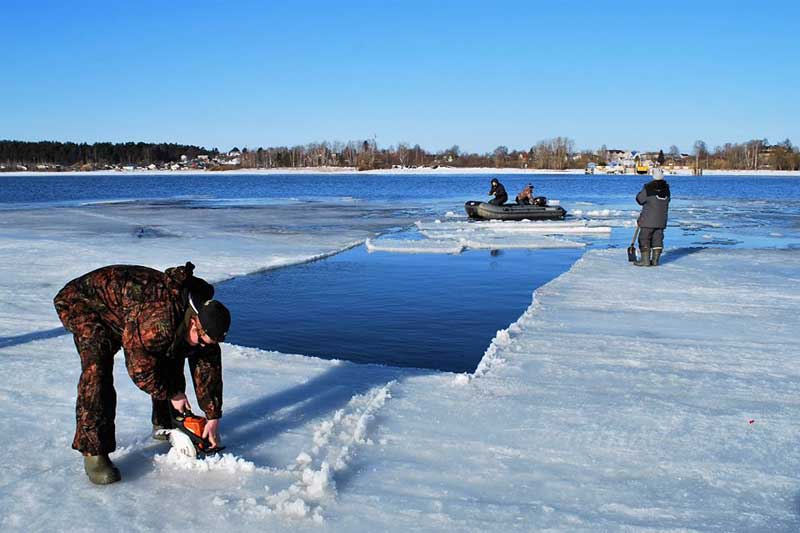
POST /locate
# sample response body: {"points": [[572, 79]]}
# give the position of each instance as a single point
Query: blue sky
{"points": [[476, 74]]}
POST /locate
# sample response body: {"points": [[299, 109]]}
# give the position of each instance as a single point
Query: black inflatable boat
{"points": [[487, 211]]}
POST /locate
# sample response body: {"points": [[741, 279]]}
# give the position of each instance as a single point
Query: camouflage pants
{"points": [[161, 417], [96, 405], [97, 343]]}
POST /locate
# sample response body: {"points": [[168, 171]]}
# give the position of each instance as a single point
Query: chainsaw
{"points": [[187, 437]]}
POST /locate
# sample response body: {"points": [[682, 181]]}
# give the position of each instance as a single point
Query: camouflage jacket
{"points": [[146, 309]]}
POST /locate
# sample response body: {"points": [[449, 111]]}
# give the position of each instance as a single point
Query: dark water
{"points": [[426, 311]]}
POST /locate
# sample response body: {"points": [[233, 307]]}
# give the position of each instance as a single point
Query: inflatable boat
{"points": [[487, 211]]}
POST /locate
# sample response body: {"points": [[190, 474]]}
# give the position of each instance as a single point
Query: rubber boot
{"points": [[100, 469], [656, 257], [645, 260]]}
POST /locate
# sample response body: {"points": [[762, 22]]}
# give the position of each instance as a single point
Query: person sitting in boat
{"points": [[526, 196], [499, 192]]}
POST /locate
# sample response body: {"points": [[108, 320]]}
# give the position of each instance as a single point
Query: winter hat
{"points": [[199, 289], [214, 318], [658, 174]]}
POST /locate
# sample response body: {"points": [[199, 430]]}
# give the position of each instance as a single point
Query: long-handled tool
{"points": [[632, 247]]}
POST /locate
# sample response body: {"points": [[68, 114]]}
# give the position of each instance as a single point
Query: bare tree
{"points": [[402, 153], [700, 152], [602, 154], [674, 153], [500, 154]]}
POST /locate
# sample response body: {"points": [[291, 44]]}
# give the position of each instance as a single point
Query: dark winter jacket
{"points": [[654, 199], [146, 309], [499, 192]]}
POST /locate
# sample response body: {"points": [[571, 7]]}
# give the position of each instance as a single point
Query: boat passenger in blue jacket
{"points": [[654, 199], [499, 192]]}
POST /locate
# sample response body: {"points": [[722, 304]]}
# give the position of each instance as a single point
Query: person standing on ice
{"points": [[499, 192], [654, 199], [159, 319]]}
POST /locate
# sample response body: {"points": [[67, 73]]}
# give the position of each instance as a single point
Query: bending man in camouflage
{"points": [[159, 319]]}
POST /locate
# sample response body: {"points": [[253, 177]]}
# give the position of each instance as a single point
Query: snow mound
{"points": [[227, 462], [415, 247]]}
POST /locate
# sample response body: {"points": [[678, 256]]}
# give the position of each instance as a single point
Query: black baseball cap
{"points": [[214, 318]]}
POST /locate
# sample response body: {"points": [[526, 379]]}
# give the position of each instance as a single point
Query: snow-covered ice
{"points": [[623, 399], [415, 246], [494, 242], [503, 234], [459, 243]]}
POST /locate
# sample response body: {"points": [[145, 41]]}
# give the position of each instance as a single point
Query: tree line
{"points": [[751, 155], [70, 154], [552, 154], [557, 153]]}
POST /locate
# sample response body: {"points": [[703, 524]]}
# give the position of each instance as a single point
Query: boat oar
{"points": [[632, 247]]}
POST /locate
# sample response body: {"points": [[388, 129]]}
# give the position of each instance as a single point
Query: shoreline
{"points": [[391, 171]]}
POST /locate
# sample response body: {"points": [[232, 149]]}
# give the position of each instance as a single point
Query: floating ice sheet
{"points": [[431, 229], [415, 247], [489, 242], [604, 213], [497, 224]]}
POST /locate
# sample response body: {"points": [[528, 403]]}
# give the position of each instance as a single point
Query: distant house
{"points": [[235, 153], [616, 155]]}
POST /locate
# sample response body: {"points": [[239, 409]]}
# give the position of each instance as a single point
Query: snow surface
{"points": [[623, 399]]}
